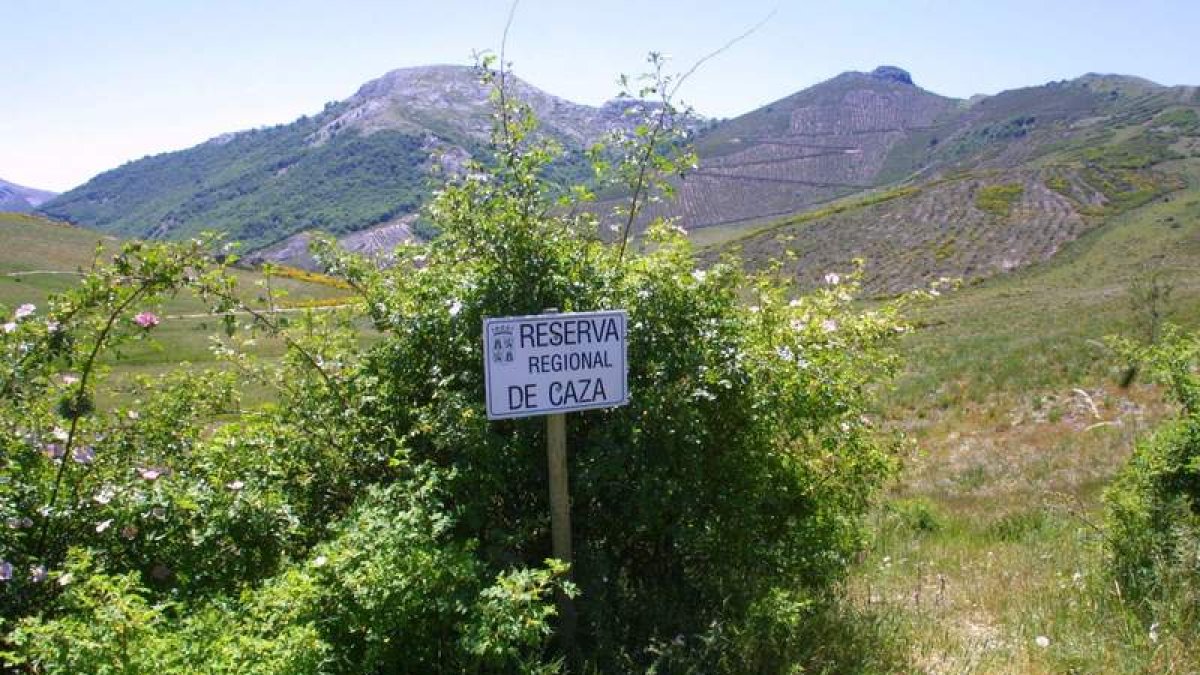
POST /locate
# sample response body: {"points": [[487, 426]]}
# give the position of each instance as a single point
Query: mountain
{"points": [[14, 197], [827, 141], [366, 162], [938, 188], [864, 165]]}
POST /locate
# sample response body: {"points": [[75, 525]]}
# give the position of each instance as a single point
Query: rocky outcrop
{"points": [[892, 73]]}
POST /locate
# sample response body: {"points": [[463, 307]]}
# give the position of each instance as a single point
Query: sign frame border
{"points": [[624, 351]]}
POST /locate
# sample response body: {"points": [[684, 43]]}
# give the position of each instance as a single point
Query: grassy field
{"points": [[986, 554], [40, 257]]}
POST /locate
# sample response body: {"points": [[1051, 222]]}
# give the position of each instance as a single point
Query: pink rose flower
{"points": [[146, 320]]}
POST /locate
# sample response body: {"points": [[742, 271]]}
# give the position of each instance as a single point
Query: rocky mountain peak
{"points": [[892, 73]]}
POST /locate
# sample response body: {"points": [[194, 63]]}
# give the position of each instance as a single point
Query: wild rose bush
{"points": [[373, 520]]}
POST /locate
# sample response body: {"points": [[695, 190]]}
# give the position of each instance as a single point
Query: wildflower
{"points": [[53, 450], [146, 320], [129, 532], [37, 574], [25, 310], [833, 279], [52, 326], [699, 275], [235, 485], [103, 525], [455, 308], [105, 495], [150, 474], [829, 325], [5, 570], [320, 561], [65, 579], [84, 455], [8, 327], [60, 433], [1042, 641], [69, 379], [132, 414]]}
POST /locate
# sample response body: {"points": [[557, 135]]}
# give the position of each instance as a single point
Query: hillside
{"points": [[990, 187], [15, 198], [363, 162], [990, 538], [824, 142]]}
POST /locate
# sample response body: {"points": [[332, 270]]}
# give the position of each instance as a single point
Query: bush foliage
{"points": [[1154, 504], [373, 520]]}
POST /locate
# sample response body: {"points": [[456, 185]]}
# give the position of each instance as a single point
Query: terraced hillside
{"points": [[990, 197], [827, 141], [965, 227]]}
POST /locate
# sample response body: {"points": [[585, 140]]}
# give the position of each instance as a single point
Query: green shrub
{"points": [[918, 515], [739, 469], [999, 200], [1153, 507], [373, 519]]}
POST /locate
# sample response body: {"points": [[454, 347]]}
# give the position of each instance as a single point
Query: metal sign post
{"points": [[550, 364]]}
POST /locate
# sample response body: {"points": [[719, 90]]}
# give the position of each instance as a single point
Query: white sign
{"points": [[554, 363]]}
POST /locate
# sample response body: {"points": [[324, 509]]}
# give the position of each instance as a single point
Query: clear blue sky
{"points": [[91, 84]]}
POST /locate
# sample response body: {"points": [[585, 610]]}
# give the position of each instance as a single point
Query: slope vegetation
{"points": [[359, 163], [827, 141], [1013, 180]]}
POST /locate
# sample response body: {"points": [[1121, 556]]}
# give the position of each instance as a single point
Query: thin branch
{"points": [[660, 123], [505, 123], [723, 48], [84, 376]]}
